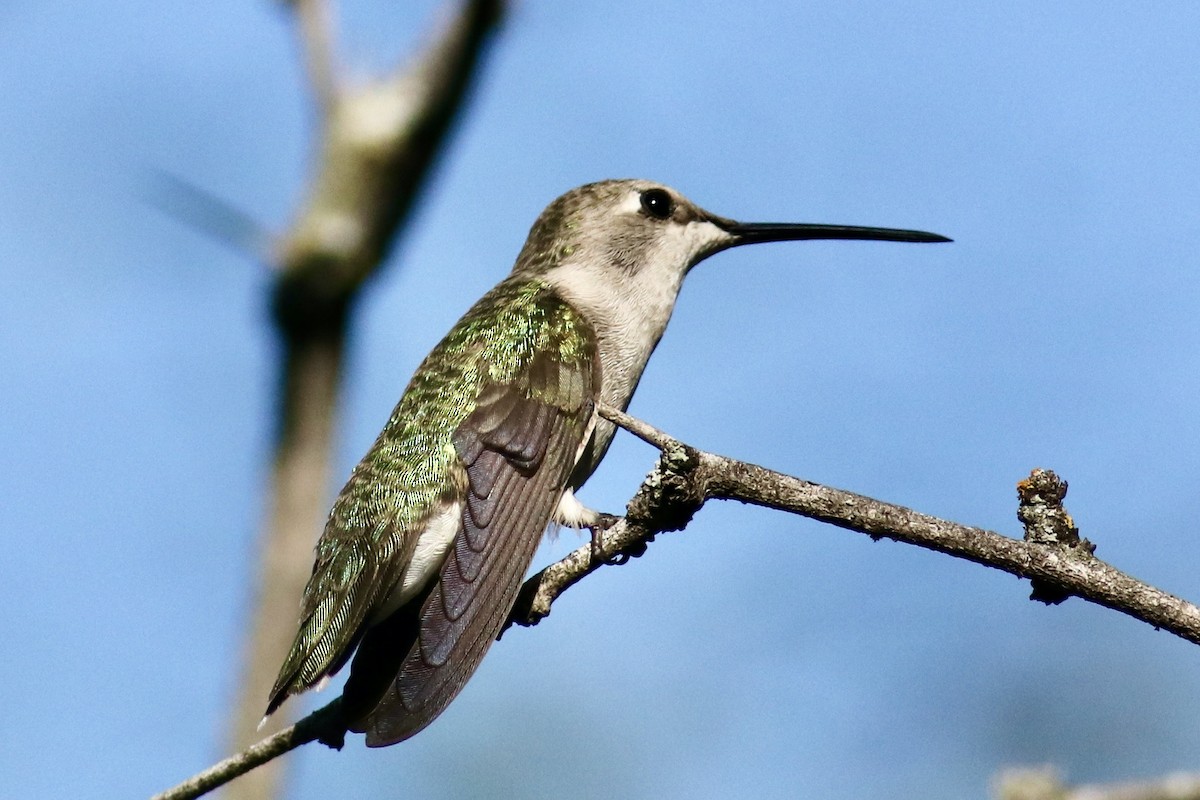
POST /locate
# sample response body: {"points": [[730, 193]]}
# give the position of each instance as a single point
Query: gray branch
{"points": [[1052, 556]]}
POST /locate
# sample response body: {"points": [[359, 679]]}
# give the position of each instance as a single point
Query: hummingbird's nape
{"points": [[428, 543]]}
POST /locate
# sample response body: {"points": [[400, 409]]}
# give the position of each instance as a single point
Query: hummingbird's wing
{"points": [[518, 448]]}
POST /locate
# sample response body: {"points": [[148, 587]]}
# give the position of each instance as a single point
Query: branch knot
{"points": [[1047, 523], [669, 497]]}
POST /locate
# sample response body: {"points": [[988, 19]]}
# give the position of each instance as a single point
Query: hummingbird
{"points": [[427, 544]]}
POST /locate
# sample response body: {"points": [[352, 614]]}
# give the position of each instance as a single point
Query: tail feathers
{"points": [[378, 659], [323, 644], [283, 690], [352, 574]]}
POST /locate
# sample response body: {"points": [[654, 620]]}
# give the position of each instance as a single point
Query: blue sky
{"points": [[756, 654]]}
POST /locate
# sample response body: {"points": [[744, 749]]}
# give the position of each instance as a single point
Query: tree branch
{"points": [[380, 141], [1052, 556]]}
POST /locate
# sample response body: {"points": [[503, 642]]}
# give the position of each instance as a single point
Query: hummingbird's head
{"points": [[634, 226], [628, 226]]}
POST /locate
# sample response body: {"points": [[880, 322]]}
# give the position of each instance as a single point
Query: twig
{"points": [[319, 723], [316, 30], [207, 213]]}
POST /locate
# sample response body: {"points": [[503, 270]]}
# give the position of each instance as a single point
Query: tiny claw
{"points": [[635, 550], [603, 522]]}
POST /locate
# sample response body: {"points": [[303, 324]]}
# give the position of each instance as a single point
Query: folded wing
{"points": [[517, 449]]}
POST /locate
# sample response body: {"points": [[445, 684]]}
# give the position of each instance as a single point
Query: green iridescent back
{"points": [[412, 470], [503, 330]]}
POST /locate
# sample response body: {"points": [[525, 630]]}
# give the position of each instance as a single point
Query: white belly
{"points": [[427, 558]]}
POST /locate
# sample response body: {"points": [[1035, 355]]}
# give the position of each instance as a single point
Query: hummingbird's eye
{"points": [[657, 203]]}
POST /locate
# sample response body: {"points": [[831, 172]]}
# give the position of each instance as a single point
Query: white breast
{"points": [[629, 313]]}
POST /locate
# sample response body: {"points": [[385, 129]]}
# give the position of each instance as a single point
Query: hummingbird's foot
{"points": [[574, 514], [597, 527]]}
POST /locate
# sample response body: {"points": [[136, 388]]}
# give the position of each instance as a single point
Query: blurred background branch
{"points": [[1046, 783], [377, 142]]}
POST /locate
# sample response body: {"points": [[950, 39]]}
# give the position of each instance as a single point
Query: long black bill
{"points": [[753, 232]]}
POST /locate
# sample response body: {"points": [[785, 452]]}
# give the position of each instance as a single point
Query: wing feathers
{"points": [[518, 450]]}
